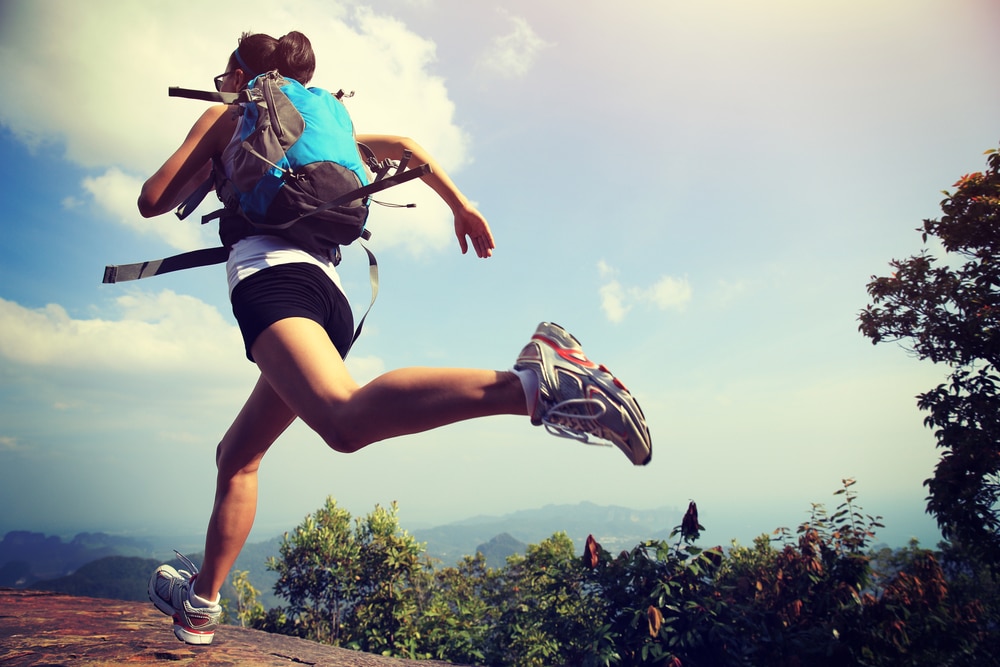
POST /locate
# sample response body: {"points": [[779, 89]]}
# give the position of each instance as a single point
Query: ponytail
{"points": [[294, 57]]}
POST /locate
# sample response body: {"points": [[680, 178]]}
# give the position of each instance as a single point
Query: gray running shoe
{"points": [[579, 399], [168, 590]]}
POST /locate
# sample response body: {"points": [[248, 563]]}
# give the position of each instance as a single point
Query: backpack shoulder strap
{"points": [[195, 198]]}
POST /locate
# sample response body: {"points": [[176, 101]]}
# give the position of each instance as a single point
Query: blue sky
{"points": [[699, 191]]}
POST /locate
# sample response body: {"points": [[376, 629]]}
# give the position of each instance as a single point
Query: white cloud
{"points": [[513, 54], [426, 228], [667, 293], [164, 332], [613, 299], [116, 192]]}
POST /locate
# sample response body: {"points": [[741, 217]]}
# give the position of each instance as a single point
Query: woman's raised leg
{"points": [[305, 370]]}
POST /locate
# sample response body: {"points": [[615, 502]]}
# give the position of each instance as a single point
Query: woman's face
{"points": [[230, 81]]}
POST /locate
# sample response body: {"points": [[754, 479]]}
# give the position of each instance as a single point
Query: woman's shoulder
{"points": [[218, 123]]}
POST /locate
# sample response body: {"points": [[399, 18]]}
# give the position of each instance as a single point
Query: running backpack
{"points": [[297, 173]]}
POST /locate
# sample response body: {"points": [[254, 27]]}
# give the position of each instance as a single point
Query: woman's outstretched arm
{"points": [[470, 225]]}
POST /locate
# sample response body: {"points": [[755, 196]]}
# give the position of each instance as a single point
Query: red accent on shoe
{"points": [[618, 383], [194, 620], [572, 356]]}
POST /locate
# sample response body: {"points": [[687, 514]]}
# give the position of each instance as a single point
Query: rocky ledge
{"points": [[50, 629]]}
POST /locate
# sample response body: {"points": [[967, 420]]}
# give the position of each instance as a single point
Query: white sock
{"points": [[198, 601], [529, 381]]}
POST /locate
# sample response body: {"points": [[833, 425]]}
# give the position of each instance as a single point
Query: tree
{"points": [[383, 615], [947, 310], [349, 587], [457, 616], [547, 615], [318, 571], [659, 605], [819, 601], [249, 610]]}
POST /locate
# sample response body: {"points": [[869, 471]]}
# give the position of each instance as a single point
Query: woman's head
{"points": [[254, 54], [292, 56]]}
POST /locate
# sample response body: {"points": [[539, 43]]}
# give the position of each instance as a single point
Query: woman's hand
{"points": [[471, 225]]}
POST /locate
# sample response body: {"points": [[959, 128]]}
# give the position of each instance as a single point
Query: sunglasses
{"points": [[221, 78]]}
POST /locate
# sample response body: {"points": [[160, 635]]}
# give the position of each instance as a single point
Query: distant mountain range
{"points": [[616, 528], [26, 557], [29, 559]]}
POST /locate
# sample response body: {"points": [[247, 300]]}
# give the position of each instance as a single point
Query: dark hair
{"points": [[292, 56], [254, 54]]}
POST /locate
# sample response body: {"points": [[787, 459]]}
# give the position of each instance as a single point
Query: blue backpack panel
{"points": [[299, 155]]}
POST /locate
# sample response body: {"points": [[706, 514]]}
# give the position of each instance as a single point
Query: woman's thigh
{"points": [[306, 371]]}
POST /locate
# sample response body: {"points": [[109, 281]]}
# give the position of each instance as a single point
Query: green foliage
{"points": [[546, 613], [348, 587], [974, 589], [457, 615], [659, 606], [913, 619], [817, 595], [382, 616], [797, 601], [824, 598], [249, 611], [318, 573], [949, 312]]}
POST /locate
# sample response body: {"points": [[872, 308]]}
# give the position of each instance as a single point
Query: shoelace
{"points": [[190, 573], [576, 427]]}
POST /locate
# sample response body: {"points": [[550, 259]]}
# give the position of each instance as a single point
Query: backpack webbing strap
{"points": [[373, 279], [116, 273], [207, 96], [360, 193]]}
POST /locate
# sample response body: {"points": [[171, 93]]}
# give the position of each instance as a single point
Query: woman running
{"points": [[297, 327]]}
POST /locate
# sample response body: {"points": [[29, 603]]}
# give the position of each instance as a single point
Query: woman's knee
{"points": [[340, 435], [232, 462], [343, 446]]}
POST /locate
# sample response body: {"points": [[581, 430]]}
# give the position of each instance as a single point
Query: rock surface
{"points": [[51, 629]]}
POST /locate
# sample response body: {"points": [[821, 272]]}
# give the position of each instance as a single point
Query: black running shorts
{"points": [[292, 290]]}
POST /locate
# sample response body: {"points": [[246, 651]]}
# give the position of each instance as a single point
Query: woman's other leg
{"points": [[263, 418]]}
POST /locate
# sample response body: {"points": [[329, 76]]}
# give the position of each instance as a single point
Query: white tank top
{"points": [[256, 253]]}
